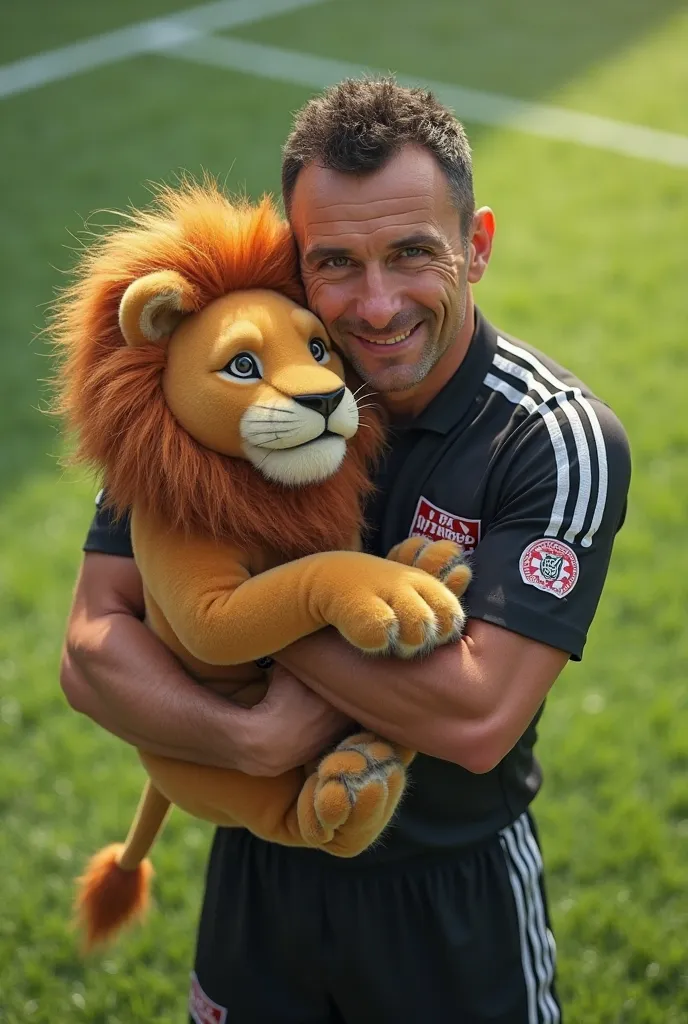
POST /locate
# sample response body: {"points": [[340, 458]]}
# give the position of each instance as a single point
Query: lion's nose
{"points": [[324, 404]]}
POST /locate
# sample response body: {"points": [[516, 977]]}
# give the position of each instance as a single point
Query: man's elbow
{"points": [[479, 761], [77, 654], [72, 683], [477, 747], [482, 761]]}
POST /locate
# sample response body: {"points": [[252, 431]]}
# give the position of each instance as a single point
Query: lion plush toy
{"points": [[219, 414]]}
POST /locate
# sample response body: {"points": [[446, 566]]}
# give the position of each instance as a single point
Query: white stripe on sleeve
{"points": [[571, 413], [558, 444], [565, 395]]}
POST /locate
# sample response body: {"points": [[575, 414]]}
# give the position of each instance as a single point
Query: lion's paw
{"points": [[405, 613], [348, 801], [443, 559]]}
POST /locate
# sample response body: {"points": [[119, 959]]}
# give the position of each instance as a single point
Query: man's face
{"points": [[384, 264]]}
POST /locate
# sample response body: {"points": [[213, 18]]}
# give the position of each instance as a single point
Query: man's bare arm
{"points": [[467, 703], [116, 671]]}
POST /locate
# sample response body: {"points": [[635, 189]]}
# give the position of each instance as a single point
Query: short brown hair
{"points": [[357, 125]]}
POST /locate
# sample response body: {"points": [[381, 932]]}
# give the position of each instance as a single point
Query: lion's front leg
{"points": [[349, 800]]}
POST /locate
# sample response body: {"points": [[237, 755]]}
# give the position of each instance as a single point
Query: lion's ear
{"points": [[153, 306]]}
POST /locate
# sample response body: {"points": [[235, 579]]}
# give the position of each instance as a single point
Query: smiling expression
{"points": [[385, 264]]}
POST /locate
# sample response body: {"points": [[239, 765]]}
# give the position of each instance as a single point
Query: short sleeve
{"points": [[107, 535], [556, 502]]}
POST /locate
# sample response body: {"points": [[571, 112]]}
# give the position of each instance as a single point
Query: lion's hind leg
{"points": [[348, 801]]}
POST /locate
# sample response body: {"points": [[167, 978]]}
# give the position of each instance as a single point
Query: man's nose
{"points": [[378, 300]]}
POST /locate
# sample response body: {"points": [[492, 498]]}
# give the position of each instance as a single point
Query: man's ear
{"points": [[153, 306], [482, 233]]}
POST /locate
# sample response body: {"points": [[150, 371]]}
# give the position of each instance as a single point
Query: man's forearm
{"points": [[123, 677], [468, 702], [119, 675], [412, 702]]}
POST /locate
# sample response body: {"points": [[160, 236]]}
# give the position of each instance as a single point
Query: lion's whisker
{"points": [[273, 433], [264, 444], [250, 422], [275, 408], [365, 384]]}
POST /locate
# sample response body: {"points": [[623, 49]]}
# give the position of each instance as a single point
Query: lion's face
{"points": [[253, 376], [193, 393]]}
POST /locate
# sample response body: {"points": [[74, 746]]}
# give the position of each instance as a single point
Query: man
{"points": [[493, 444]]}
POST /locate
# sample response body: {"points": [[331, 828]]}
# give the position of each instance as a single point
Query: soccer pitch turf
{"points": [[589, 265]]}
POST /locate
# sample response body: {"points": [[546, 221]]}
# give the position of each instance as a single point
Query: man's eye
{"points": [[337, 262], [318, 350], [244, 366], [413, 250]]}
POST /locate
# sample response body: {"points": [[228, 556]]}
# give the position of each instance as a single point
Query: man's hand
{"points": [[291, 726], [118, 673]]}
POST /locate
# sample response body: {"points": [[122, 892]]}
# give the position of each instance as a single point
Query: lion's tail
{"points": [[115, 887]]}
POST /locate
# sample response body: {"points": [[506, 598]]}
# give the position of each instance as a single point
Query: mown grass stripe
{"points": [[469, 104], [143, 37]]}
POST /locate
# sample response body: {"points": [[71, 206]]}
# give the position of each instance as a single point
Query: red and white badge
{"points": [[551, 566], [202, 1008], [433, 522]]}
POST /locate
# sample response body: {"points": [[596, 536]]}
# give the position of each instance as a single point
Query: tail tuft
{"points": [[110, 897]]}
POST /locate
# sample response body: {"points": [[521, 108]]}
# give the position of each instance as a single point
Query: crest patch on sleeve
{"points": [[551, 566]]}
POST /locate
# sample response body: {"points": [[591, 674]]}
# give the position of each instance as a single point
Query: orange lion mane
{"points": [[111, 397]]}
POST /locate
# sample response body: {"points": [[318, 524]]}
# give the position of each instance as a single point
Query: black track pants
{"points": [[298, 937]]}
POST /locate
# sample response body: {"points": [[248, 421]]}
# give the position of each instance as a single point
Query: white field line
{"points": [[184, 35], [470, 104], [142, 37]]}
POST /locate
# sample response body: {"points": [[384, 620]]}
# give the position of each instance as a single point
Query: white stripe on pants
{"points": [[524, 864]]}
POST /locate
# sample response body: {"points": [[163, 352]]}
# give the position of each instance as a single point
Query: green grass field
{"points": [[589, 265]]}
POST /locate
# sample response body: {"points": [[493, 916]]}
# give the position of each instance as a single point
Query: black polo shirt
{"points": [[517, 460]]}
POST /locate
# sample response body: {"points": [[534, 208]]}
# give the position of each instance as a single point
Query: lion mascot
{"points": [[218, 414]]}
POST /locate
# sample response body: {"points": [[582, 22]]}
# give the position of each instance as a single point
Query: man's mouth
{"points": [[384, 342]]}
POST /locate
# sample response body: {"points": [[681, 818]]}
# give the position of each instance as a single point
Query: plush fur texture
{"points": [[110, 395], [186, 355], [109, 897]]}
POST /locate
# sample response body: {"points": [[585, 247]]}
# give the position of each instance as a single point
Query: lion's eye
{"points": [[244, 366], [318, 350]]}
